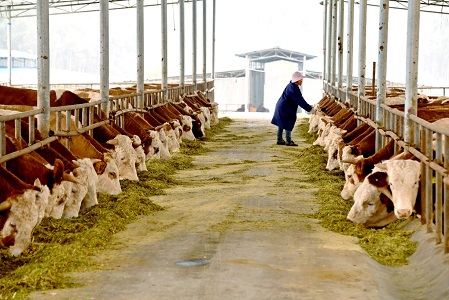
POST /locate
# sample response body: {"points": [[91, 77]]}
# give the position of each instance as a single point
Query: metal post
{"points": [[248, 83], [362, 54], [164, 48], [104, 55], [411, 101], [140, 53], [382, 69], [350, 46], [8, 43], [181, 47], [334, 42], [304, 62], [325, 34], [213, 39], [329, 43], [43, 67], [204, 41], [340, 47], [194, 44]]}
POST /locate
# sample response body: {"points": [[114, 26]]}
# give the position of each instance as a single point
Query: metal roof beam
{"points": [[21, 9]]}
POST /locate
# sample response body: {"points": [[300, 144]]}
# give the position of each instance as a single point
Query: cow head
{"points": [[402, 178], [155, 146], [187, 126], [165, 153], [206, 115], [371, 208], [82, 194], [352, 181], [126, 157], [23, 213], [108, 175]]}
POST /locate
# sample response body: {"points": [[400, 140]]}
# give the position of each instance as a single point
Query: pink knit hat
{"points": [[297, 76]]}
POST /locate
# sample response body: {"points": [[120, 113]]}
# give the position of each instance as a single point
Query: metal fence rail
{"points": [[73, 120]]}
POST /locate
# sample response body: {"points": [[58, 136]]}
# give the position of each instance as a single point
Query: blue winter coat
{"points": [[287, 107]]}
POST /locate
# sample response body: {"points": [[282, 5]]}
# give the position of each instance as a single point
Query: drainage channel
{"points": [[193, 262]]}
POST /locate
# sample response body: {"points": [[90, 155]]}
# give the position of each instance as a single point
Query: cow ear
{"points": [[5, 205], [381, 166], [378, 179], [99, 167], [58, 170], [112, 142], [37, 184]]}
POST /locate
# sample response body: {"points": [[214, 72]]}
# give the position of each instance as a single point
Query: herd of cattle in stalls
{"points": [[62, 177], [384, 185]]}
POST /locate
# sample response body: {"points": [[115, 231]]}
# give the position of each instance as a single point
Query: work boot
{"points": [[281, 142], [291, 143]]}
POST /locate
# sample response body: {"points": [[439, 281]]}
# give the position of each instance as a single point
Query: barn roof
{"points": [[21, 8], [274, 54]]}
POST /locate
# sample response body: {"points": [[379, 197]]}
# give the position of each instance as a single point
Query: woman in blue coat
{"points": [[286, 108]]}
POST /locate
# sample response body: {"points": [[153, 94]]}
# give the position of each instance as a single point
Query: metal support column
{"points": [[248, 83], [104, 55], [8, 45], [182, 49], [43, 67], [350, 48], [382, 69], [194, 43], [213, 39], [325, 34], [164, 48], [341, 13], [204, 41], [411, 99], [329, 44], [334, 43], [140, 53], [362, 55]]}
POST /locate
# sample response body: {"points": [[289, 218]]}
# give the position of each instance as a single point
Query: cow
{"points": [[140, 154], [104, 163], [86, 174], [356, 169], [402, 178], [126, 156], [28, 168], [165, 153], [371, 208], [81, 147], [155, 147], [352, 181], [22, 207], [21, 96], [388, 193], [197, 126]]}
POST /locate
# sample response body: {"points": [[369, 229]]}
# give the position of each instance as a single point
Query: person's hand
{"points": [[312, 111]]}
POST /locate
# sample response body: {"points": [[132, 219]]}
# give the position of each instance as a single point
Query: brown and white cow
{"points": [[22, 208], [371, 208]]}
